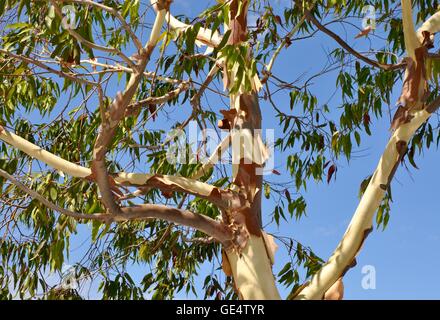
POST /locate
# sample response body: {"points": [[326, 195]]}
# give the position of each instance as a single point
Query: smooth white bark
{"points": [[362, 220], [42, 155], [78, 171], [252, 271], [432, 25]]}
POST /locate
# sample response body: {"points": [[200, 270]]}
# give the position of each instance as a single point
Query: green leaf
{"points": [[53, 192], [267, 191]]}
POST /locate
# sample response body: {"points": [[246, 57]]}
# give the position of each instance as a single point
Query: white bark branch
{"points": [[361, 223], [411, 40], [187, 218], [182, 184], [432, 25], [206, 36], [42, 155]]}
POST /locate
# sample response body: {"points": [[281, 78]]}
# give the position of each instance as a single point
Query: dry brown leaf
{"points": [[229, 114]]}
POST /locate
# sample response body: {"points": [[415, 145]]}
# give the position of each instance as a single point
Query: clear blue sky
{"points": [[404, 255]]}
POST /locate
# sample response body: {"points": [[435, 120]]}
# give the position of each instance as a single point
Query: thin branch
{"points": [[147, 74], [45, 67], [284, 43], [35, 195], [214, 158], [187, 218], [90, 44], [134, 107], [346, 46], [115, 13], [195, 100]]}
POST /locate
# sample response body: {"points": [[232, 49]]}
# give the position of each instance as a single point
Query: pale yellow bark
{"points": [[362, 220], [38, 153], [215, 157], [192, 185], [205, 36], [75, 170], [411, 40], [252, 271], [432, 25]]}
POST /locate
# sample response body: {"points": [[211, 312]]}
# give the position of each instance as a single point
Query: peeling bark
{"points": [[250, 257], [432, 26], [362, 221]]}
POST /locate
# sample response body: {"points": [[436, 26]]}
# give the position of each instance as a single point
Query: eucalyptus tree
{"points": [[90, 89]]}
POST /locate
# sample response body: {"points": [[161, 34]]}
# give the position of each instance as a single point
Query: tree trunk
{"points": [[249, 257], [252, 271], [250, 262]]}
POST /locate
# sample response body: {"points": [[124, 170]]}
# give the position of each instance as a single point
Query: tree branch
{"points": [[134, 107], [223, 198], [89, 44], [344, 257], [213, 159], [205, 36], [115, 13], [346, 46], [284, 43], [47, 68], [147, 74], [187, 218], [35, 195], [42, 155], [116, 113]]}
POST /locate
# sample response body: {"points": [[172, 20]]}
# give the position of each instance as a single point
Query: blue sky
{"points": [[404, 255]]}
